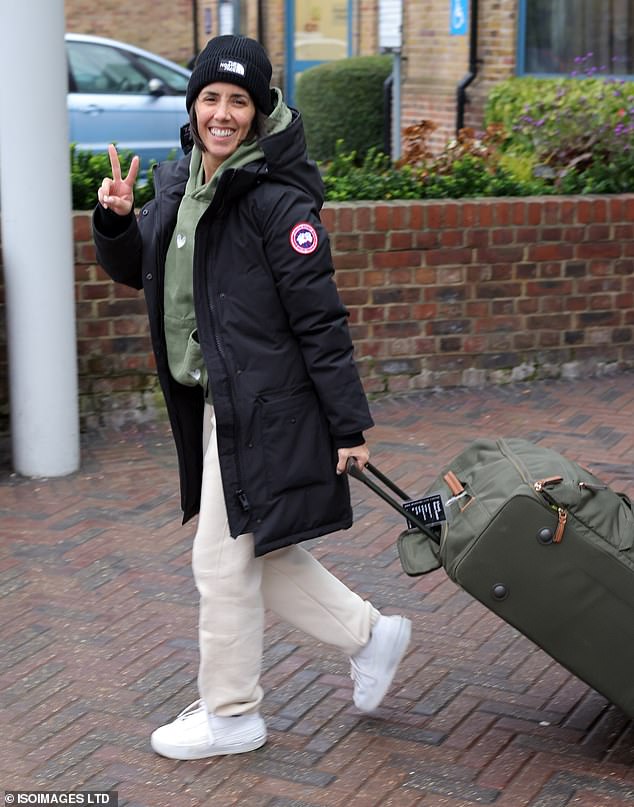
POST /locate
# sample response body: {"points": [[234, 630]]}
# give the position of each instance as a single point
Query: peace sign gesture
{"points": [[117, 194]]}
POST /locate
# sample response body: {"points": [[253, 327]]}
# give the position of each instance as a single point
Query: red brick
{"points": [[501, 254], [401, 216], [352, 260], [374, 277], [82, 227], [428, 239], [452, 238], [348, 278], [534, 211], [328, 216], [434, 216], [95, 291], [549, 252], [346, 242], [383, 217], [502, 212], [398, 259], [363, 219], [401, 240], [444, 257], [417, 216], [373, 241], [605, 251]]}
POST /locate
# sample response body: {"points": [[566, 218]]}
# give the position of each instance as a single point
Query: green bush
{"points": [[87, 171], [375, 178], [343, 100], [468, 167], [577, 133]]}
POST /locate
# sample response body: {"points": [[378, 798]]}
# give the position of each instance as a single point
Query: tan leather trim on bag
{"points": [[453, 483]]}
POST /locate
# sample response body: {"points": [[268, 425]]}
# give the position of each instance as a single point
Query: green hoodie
{"points": [[184, 354]]}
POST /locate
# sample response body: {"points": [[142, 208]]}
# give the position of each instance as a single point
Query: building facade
{"points": [[448, 53]]}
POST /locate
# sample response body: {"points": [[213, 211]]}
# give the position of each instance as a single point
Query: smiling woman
{"points": [[267, 408]]}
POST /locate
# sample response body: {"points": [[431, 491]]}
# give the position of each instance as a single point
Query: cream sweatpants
{"points": [[235, 588]]}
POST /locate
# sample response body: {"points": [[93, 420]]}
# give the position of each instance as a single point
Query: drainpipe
{"points": [[196, 47], [465, 81]]}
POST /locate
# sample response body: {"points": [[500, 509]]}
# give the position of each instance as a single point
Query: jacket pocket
{"points": [[298, 451]]}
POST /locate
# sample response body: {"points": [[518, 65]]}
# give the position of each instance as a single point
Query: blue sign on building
{"points": [[459, 17]]}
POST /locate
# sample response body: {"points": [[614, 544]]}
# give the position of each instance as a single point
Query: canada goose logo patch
{"points": [[304, 238]]}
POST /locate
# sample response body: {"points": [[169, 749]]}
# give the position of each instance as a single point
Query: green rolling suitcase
{"points": [[540, 541]]}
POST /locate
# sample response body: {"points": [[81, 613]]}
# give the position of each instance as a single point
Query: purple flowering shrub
{"points": [[578, 132]]}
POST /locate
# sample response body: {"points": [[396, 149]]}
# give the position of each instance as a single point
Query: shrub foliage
{"points": [[343, 101], [87, 171], [577, 132], [469, 166]]}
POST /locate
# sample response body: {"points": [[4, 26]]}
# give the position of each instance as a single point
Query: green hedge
{"points": [[343, 101]]}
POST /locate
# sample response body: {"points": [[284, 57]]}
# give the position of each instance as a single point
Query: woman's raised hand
{"points": [[115, 193]]}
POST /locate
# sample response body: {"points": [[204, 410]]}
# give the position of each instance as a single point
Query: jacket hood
{"points": [[286, 159]]}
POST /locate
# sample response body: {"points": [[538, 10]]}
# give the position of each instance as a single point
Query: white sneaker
{"points": [[373, 667], [196, 734]]}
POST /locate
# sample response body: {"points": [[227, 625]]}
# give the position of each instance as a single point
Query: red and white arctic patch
{"points": [[304, 238]]}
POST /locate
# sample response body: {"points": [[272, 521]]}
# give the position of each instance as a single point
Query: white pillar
{"points": [[37, 239]]}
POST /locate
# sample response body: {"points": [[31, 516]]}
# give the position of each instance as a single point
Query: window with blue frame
{"points": [[554, 35]]}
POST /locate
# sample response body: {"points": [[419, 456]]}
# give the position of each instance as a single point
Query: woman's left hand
{"points": [[361, 455]]}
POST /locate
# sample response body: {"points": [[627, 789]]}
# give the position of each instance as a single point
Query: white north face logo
{"points": [[232, 67]]}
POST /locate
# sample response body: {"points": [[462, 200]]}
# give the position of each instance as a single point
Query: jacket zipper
{"points": [[161, 255], [239, 493]]}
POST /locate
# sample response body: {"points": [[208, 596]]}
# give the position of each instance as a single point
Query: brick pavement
{"points": [[98, 636]]}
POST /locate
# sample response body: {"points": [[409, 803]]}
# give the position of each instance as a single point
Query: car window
{"points": [[175, 81], [102, 69]]}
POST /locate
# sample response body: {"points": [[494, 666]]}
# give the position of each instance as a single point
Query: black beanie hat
{"points": [[235, 60]]}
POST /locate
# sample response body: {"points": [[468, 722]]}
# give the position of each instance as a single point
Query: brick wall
{"points": [[434, 62], [440, 293], [163, 26], [446, 293]]}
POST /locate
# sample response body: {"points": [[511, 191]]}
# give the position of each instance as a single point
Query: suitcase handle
{"points": [[353, 470]]}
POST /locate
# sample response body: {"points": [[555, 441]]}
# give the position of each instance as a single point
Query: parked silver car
{"points": [[118, 93]]}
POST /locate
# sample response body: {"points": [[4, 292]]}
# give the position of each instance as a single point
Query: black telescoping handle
{"points": [[353, 470]]}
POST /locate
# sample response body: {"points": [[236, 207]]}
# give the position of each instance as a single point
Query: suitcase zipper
{"points": [[539, 487], [562, 515]]}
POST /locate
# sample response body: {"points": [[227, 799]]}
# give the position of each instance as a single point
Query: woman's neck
{"points": [[210, 165]]}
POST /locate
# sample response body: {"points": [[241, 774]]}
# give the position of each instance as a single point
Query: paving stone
{"points": [[98, 635]]}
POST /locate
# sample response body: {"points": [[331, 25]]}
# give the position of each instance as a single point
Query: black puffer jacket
{"points": [[274, 337]]}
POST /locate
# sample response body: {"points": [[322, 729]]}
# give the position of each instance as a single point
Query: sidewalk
{"points": [[98, 636]]}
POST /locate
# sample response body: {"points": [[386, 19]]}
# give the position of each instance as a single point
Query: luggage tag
{"points": [[429, 509]]}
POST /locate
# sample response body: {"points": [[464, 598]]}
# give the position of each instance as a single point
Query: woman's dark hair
{"points": [[193, 127]]}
